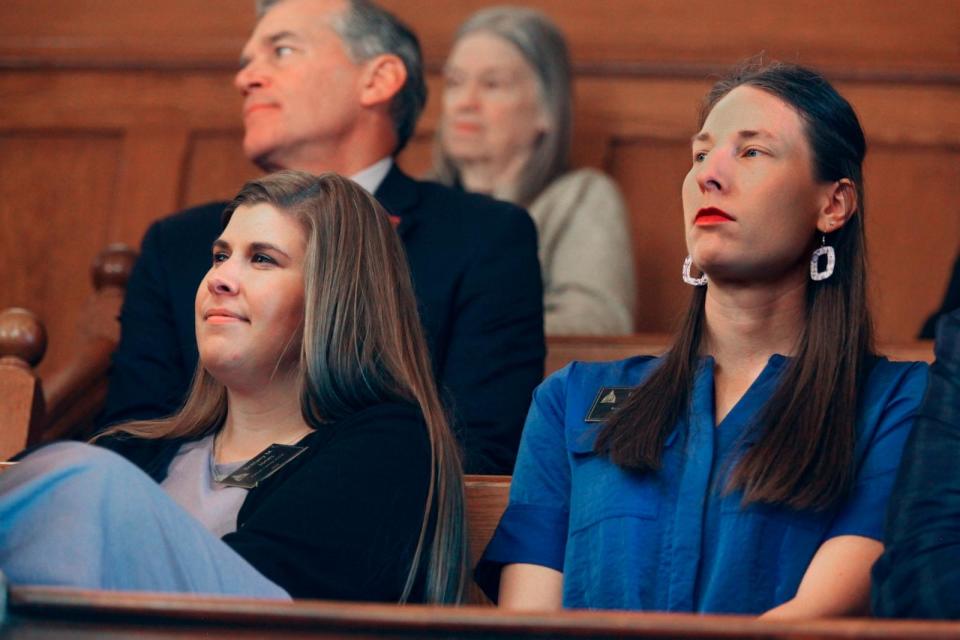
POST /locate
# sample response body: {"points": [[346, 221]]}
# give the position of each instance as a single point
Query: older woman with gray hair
{"points": [[505, 130]]}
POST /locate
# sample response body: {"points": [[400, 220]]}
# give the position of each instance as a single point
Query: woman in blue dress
{"points": [[748, 469]]}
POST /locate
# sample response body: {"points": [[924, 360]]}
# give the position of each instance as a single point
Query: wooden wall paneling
{"points": [[650, 173], [417, 157], [879, 37], [856, 35], [150, 180], [56, 194], [913, 228], [119, 33], [117, 99], [216, 168]]}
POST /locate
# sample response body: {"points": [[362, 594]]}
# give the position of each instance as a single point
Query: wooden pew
{"points": [[486, 498], [66, 402], [68, 614], [23, 342]]}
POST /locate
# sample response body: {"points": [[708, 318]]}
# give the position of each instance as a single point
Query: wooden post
{"points": [[75, 392], [23, 341]]}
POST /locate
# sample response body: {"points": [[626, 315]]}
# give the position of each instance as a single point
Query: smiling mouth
{"points": [[712, 215], [221, 316]]}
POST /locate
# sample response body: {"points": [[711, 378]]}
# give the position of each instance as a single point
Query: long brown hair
{"points": [[803, 456], [362, 345]]}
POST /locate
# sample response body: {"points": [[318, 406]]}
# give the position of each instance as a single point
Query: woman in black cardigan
{"points": [[312, 441]]}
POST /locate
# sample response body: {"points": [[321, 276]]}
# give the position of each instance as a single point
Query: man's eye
{"points": [[699, 156], [752, 153], [282, 51]]}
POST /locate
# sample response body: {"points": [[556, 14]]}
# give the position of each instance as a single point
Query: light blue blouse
{"points": [[672, 540]]}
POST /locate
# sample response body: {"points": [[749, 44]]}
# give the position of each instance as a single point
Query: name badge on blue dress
{"points": [[608, 400]]}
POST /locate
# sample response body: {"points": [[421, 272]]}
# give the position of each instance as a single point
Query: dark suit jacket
{"points": [[951, 301], [477, 279], [918, 575]]}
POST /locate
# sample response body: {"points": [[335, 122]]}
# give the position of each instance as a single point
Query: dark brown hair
{"points": [[803, 456], [362, 345]]}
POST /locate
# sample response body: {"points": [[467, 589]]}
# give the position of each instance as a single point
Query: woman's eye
{"points": [[262, 258], [220, 256], [282, 51]]}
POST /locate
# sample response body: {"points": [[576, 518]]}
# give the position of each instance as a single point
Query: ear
{"points": [[544, 122], [382, 78], [839, 206]]}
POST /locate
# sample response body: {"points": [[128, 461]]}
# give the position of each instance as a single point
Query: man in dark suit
{"points": [[333, 85]]}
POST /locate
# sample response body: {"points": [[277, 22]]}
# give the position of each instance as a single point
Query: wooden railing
{"points": [[23, 342], [75, 393], [68, 400], [47, 612]]}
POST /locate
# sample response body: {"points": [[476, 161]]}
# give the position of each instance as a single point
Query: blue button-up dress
{"points": [[675, 540]]}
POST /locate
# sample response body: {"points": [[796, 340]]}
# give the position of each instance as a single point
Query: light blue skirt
{"points": [[78, 515]]}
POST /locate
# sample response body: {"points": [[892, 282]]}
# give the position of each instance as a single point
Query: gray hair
{"points": [[368, 31], [542, 45]]}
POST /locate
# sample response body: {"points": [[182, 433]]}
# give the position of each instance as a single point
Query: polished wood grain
{"points": [[23, 341], [46, 612]]}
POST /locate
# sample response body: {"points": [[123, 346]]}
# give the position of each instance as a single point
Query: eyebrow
{"points": [[745, 134], [255, 247]]}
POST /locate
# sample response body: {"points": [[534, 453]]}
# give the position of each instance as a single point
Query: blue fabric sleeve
{"points": [[533, 530], [863, 513]]}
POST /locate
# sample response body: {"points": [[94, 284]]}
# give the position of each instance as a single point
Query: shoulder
{"points": [[583, 192], [585, 180], [390, 424], [889, 380], [889, 401], [583, 184], [471, 209]]}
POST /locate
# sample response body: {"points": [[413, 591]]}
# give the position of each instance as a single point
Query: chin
{"points": [[260, 152]]}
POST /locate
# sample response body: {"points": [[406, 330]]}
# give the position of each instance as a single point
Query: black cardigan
{"points": [[340, 521]]}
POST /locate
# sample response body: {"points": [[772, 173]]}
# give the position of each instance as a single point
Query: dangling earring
{"points": [[695, 282], [823, 250]]}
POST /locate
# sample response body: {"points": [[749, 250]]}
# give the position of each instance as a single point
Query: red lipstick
{"points": [[712, 215]]}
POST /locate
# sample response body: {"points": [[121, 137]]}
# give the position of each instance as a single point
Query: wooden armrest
{"points": [[74, 394], [23, 341]]}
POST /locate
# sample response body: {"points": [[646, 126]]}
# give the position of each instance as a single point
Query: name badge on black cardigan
{"points": [[607, 401], [262, 466]]}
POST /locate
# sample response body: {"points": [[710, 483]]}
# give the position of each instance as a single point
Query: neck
{"points": [[493, 176], [257, 418], [348, 153], [746, 324]]}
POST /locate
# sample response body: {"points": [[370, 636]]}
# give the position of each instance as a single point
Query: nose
{"points": [[463, 97], [251, 76], [222, 281], [713, 174]]}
